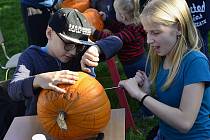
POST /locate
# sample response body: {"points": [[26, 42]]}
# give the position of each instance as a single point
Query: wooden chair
{"points": [[11, 61]]}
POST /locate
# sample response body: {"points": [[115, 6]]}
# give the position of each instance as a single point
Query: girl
{"points": [[179, 71], [128, 29]]}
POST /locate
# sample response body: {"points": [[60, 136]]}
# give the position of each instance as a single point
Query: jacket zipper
{"points": [[59, 64]]}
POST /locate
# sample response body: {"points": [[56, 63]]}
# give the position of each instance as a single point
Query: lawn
{"points": [[11, 25]]}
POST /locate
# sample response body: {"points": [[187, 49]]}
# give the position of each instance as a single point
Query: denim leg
{"points": [[131, 69], [35, 22]]}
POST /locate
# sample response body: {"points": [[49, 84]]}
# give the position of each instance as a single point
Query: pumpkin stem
{"points": [[61, 120]]}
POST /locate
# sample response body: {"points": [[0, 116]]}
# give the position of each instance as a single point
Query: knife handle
{"points": [[92, 73]]}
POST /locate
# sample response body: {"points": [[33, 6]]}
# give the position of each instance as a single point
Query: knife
{"points": [[114, 87], [92, 73]]}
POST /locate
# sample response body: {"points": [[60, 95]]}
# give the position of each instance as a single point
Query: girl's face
{"points": [[160, 37], [57, 48]]}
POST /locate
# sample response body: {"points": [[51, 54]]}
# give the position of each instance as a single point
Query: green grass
{"points": [[11, 25]]}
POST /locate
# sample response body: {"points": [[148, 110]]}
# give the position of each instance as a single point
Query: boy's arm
{"points": [[21, 85], [109, 47], [104, 49]]}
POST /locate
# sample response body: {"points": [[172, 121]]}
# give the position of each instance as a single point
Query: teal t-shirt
{"points": [[194, 68]]}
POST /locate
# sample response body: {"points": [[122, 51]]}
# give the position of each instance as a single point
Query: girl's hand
{"points": [[132, 88], [50, 80], [143, 81]]}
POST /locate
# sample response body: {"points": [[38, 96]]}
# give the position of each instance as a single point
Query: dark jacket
{"points": [[200, 13], [40, 3]]}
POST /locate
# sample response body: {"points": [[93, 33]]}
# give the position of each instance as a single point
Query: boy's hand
{"points": [[90, 58], [50, 80]]}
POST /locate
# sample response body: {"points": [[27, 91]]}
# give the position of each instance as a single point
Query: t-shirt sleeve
{"points": [[197, 71]]}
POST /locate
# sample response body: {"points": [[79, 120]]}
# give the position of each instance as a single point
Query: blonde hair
{"points": [[168, 12], [131, 8]]}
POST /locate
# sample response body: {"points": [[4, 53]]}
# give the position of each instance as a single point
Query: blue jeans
{"points": [[131, 69], [36, 24]]}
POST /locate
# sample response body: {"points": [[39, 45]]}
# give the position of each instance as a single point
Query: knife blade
{"points": [[114, 87]]}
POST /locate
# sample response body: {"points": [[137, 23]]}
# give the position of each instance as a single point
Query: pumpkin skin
{"points": [[95, 19], [86, 106], [80, 5], [93, 16]]}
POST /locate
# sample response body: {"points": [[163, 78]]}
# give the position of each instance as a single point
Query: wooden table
{"points": [[23, 128]]}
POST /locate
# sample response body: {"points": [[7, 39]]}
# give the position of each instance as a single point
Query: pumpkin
{"points": [[95, 19], [80, 5], [79, 114]]}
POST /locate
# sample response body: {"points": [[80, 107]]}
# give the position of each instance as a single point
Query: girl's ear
{"points": [[124, 18], [179, 32], [179, 29]]}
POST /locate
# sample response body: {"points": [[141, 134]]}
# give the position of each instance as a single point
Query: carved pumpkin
{"points": [[94, 18], [80, 5], [79, 114]]}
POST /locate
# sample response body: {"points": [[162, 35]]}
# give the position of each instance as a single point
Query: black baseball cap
{"points": [[71, 25]]}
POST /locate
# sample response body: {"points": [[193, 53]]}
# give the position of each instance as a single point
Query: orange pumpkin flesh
{"points": [[80, 5], [85, 108]]}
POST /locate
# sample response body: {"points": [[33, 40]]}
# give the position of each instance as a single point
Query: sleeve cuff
{"points": [[28, 86], [109, 46]]}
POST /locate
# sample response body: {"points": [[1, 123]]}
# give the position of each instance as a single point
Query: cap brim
{"points": [[90, 43]]}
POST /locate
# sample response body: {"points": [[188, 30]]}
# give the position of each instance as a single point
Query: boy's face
{"points": [[59, 48], [161, 38]]}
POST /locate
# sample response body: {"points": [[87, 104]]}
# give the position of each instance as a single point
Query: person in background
{"points": [[129, 29], [57, 62], [200, 13], [105, 6], [179, 71], [36, 14]]}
